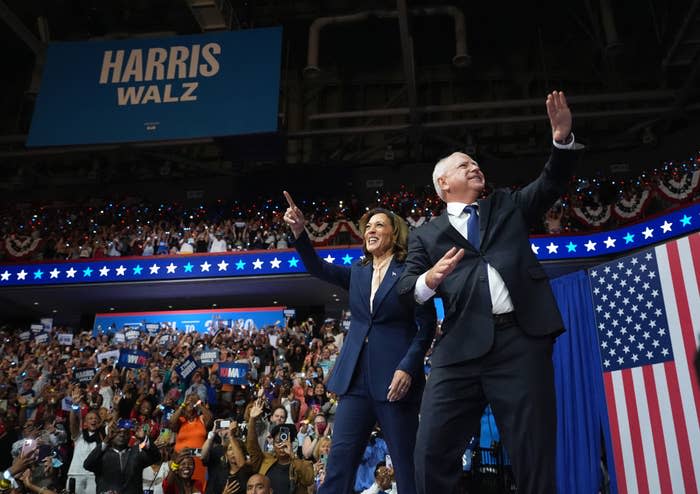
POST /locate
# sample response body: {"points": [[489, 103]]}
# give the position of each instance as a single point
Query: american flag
{"points": [[647, 311]]}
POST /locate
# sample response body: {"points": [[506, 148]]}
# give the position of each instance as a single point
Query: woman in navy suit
{"points": [[379, 374]]}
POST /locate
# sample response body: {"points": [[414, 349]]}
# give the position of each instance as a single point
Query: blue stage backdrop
{"points": [[217, 84], [200, 321]]}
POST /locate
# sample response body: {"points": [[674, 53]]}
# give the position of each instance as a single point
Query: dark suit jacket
{"points": [[108, 474], [505, 216], [398, 330]]}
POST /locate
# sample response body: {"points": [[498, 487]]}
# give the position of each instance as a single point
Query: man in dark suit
{"points": [[501, 317], [117, 467]]}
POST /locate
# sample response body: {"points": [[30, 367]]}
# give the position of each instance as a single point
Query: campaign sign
{"points": [[84, 375], [112, 354], [65, 339], [134, 359], [152, 329], [233, 373], [208, 357], [187, 368], [181, 87], [119, 338], [132, 334], [24, 336], [37, 328], [41, 338]]}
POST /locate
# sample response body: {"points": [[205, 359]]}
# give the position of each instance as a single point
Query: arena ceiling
{"points": [[389, 83]]}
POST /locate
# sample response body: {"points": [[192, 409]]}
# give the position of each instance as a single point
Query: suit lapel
{"points": [[443, 224], [365, 282], [391, 276], [484, 217]]}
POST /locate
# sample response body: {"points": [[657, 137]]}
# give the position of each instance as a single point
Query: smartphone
{"points": [[224, 424], [165, 435], [44, 451], [125, 424], [324, 459], [388, 462], [29, 447]]}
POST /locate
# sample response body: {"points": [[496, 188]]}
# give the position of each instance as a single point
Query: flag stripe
{"points": [[693, 296], [681, 429], [681, 338], [657, 433], [669, 428], [691, 250], [615, 432], [638, 456], [624, 431], [645, 430]]}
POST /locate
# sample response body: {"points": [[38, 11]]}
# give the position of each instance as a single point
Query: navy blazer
{"points": [[397, 331], [504, 220]]}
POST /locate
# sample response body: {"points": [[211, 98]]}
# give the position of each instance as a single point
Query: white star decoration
{"points": [[257, 264], [5, 276], [71, 273], [329, 259], [154, 269], [535, 248], [666, 227], [552, 248], [171, 268], [223, 266], [648, 233], [104, 271], [609, 242], [22, 275], [54, 273], [590, 245], [275, 263], [205, 266]]}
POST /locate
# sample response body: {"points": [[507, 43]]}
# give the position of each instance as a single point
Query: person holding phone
{"points": [[224, 458], [379, 375], [287, 473], [383, 480]]}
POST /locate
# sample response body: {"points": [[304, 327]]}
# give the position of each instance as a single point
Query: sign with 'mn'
{"points": [[215, 84]]}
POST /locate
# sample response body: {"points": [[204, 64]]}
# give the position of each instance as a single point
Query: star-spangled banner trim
{"points": [[283, 262]]}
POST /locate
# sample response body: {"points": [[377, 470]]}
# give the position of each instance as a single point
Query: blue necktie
{"points": [[473, 225]]}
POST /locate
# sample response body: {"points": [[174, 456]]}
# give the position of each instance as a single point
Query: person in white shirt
{"points": [[383, 481], [86, 434]]}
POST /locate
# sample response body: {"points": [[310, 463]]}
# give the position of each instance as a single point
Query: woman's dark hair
{"points": [[399, 236]]}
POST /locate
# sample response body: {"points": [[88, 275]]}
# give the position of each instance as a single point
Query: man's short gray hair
{"points": [[439, 171]]}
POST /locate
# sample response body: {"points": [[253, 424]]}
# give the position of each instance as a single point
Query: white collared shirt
{"points": [[500, 297]]}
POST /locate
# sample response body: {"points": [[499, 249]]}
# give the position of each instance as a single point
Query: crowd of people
{"points": [[146, 429], [136, 227]]}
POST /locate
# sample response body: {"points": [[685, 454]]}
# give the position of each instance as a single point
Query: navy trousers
{"points": [[355, 417]]}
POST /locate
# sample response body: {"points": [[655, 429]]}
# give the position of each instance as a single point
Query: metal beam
{"points": [[409, 68], [21, 30], [474, 122], [641, 96]]}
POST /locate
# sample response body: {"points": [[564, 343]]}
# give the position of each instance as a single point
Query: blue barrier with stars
{"points": [[283, 262]]}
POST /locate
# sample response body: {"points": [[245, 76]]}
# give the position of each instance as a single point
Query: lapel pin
{"points": [[393, 273]]}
